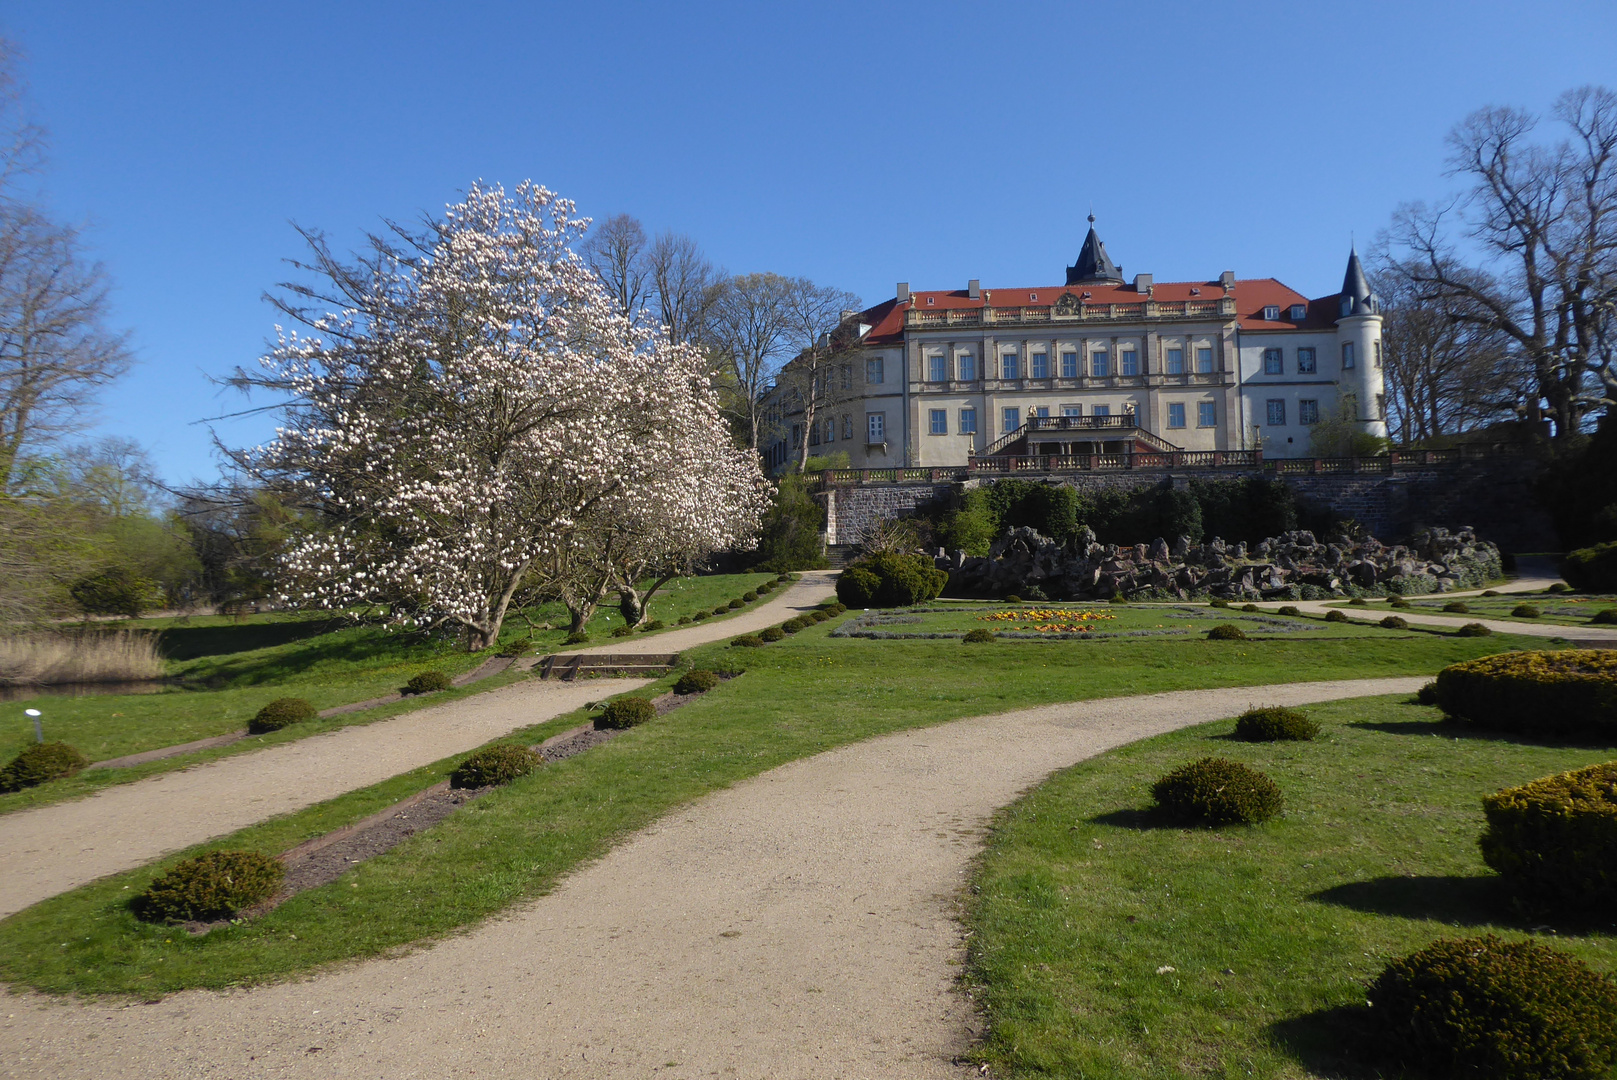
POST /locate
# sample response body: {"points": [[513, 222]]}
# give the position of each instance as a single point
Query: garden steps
{"points": [[838, 555], [569, 666]]}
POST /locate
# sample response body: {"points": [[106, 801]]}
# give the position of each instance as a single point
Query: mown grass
{"points": [[230, 668], [797, 697], [1272, 932], [1565, 609]]}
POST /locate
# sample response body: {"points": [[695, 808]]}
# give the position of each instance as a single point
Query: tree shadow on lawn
{"points": [[1341, 1043], [1482, 901], [1153, 819], [1454, 729]]}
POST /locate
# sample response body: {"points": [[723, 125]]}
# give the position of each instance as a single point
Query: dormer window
{"points": [[1195, 292], [1032, 296], [1299, 312], [1271, 313], [1086, 296], [931, 300]]}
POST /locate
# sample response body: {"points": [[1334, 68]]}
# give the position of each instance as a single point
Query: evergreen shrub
{"points": [[625, 713], [1558, 587], [1592, 569], [1274, 723], [1012, 598], [1218, 602], [890, 579], [773, 633], [1474, 629], [722, 609], [1218, 791], [977, 636], [1525, 611], [747, 641], [1359, 601], [1554, 840], [280, 713], [792, 626], [748, 597], [1395, 622], [622, 631], [1604, 616], [1427, 694], [696, 681], [820, 615], [737, 603], [577, 637], [1226, 632], [684, 620], [497, 764], [1249, 607], [1490, 592], [1458, 607], [1487, 1008], [1568, 692], [1336, 615], [40, 763], [700, 615], [217, 885], [427, 682], [654, 624], [1399, 603], [1289, 610]]}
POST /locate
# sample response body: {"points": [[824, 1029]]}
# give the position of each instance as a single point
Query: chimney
{"points": [[903, 292], [974, 289], [1142, 284], [1227, 279]]}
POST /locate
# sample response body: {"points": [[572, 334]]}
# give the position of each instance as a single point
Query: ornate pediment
{"points": [[1068, 305]]}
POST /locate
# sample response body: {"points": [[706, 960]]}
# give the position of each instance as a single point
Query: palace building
{"points": [[1100, 365]]}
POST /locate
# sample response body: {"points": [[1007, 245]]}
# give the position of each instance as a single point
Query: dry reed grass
{"points": [[46, 659]]}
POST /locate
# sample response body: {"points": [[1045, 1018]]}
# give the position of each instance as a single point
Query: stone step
{"points": [[569, 666]]}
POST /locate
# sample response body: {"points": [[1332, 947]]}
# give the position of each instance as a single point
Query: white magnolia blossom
{"points": [[483, 419]]}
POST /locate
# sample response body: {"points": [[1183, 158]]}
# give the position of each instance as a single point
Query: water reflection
{"points": [[102, 689]]}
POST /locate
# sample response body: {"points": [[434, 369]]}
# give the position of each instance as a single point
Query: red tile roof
{"points": [[1252, 295]]}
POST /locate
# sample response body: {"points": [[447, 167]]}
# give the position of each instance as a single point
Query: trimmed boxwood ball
{"points": [[1604, 616], [1395, 622], [700, 615], [497, 764], [1458, 607], [1525, 611], [1504, 1010], [1473, 629], [737, 603], [625, 713], [1567, 692], [280, 713], [1427, 694], [1275, 723], [820, 616], [1013, 599], [217, 885], [577, 637], [1336, 615], [1218, 603], [1399, 603], [977, 636], [1554, 840], [792, 626], [1249, 607], [748, 597], [773, 633], [654, 624], [783, 579], [766, 587], [1289, 610], [1226, 632], [747, 641], [697, 681], [1218, 791], [1117, 598], [684, 620], [623, 631], [427, 682], [1359, 601], [722, 609], [1558, 587], [39, 764]]}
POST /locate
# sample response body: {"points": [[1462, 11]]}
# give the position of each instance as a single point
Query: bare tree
{"points": [[1545, 219], [824, 325], [55, 350], [616, 250], [684, 285], [749, 333]]}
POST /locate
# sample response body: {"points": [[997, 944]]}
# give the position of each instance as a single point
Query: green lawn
{"points": [[1570, 609], [1093, 622], [1271, 932], [230, 668], [797, 697]]}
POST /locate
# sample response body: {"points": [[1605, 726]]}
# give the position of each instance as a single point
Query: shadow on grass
{"points": [[1482, 901], [1451, 729], [190, 642], [1337, 1044], [1152, 819]]}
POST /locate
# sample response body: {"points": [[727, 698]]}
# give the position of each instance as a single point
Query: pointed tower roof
{"points": [[1094, 265], [1357, 299]]}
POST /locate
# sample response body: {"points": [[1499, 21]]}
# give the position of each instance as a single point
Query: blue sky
{"points": [[855, 144]]}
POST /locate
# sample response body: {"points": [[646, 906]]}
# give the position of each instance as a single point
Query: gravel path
{"points": [[801, 924]]}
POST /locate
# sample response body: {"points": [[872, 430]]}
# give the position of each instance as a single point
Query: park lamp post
{"points": [[39, 732]]}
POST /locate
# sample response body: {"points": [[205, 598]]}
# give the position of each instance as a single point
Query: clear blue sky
{"points": [[856, 144]]}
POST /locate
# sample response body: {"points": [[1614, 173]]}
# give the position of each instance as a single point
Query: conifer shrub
{"points": [[1457, 607], [1218, 602], [1117, 598], [684, 620], [773, 633], [696, 681], [838, 608], [1013, 599], [784, 579], [1289, 610], [41, 763], [1275, 723], [654, 624], [1226, 632], [1526, 611], [1217, 791], [625, 713], [1359, 601], [819, 615], [977, 636], [700, 615], [792, 626], [1554, 840], [577, 637], [1399, 603], [1249, 607], [1490, 592], [281, 713], [493, 765], [1592, 569], [1336, 615], [747, 641], [890, 579], [1427, 694], [766, 588], [1566, 693], [722, 609], [1503, 1010], [1395, 622], [1474, 629], [427, 682], [216, 885], [1558, 587], [748, 597], [1604, 616], [622, 631], [737, 603]]}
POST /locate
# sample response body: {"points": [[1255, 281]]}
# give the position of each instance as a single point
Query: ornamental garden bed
{"points": [[1068, 622]]}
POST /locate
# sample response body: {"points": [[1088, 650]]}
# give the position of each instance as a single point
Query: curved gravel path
{"points": [[61, 846], [801, 924]]}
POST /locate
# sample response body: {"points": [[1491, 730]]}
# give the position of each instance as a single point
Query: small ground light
{"points": [[39, 732]]}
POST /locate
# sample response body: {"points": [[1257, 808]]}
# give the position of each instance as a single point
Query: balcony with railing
{"points": [[1082, 311]]}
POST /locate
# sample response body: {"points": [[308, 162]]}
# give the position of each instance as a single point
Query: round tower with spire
{"points": [[1358, 328]]}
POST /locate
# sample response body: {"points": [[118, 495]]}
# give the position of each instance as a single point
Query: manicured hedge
{"points": [[1488, 1008], [1592, 569], [1218, 791], [217, 885], [39, 764], [1569, 692], [428, 682], [1274, 723], [1336, 615], [281, 713], [1226, 632], [1555, 840], [697, 681], [625, 713], [497, 764]]}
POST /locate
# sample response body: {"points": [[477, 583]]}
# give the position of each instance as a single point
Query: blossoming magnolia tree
{"points": [[477, 415]]}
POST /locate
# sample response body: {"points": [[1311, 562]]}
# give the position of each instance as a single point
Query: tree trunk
{"points": [[636, 604]]}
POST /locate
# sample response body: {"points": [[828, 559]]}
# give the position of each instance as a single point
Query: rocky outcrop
{"points": [[1293, 566]]}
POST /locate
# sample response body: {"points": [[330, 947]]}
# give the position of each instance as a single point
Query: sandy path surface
{"points": [[801, 924], [61, 846]]}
